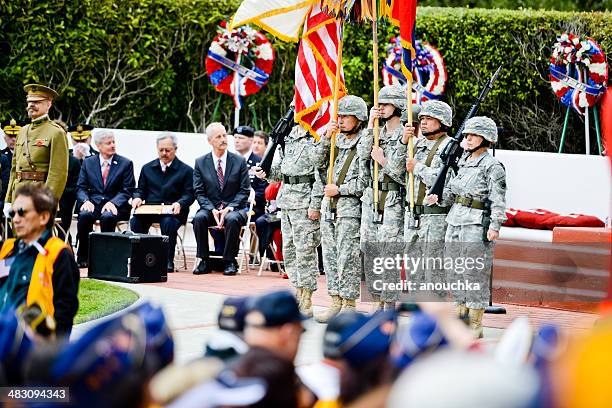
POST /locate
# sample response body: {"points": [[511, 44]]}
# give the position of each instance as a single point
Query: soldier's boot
{"points": [[298, 296], [333, 310], [476, 321], [389, 306], [377, 304], [463, 313], [349, 305], [306, 305]]}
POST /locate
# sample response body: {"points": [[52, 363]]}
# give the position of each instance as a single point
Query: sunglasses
{"points": [[20, 211]]}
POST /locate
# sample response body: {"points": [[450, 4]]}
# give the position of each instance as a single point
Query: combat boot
{"points": [[306, 304], [377, 304], [298, 296], [476, 321], [333, 310], [463, 313], [349, 305]]}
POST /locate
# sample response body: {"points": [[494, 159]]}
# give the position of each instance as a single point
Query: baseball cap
{"points": [[274, 309]]}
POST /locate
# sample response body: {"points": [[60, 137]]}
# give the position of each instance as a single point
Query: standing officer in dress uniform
{"points": [[478, 192], [384, 223], [341, 208], [300, 202], [41, 149]]}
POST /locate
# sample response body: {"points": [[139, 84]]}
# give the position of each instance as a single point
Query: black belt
{"points": [[387, 186], [308, 179], [470, 202], [427, 210]]}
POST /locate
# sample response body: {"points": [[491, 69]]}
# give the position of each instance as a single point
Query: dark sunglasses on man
{"points": [[20, 211]]}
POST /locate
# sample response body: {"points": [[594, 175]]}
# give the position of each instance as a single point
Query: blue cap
{"points": [[135, 342], [422, 335], [273, 309], [15, 344], [367, 338], [332, 339], [232, 313]]}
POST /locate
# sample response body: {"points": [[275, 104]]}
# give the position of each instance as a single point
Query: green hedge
{"points": [[140, 63]]}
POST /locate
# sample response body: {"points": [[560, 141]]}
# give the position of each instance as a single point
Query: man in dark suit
{"points": [[106, 183], [166, 180], [222, 186], [243, 142]]}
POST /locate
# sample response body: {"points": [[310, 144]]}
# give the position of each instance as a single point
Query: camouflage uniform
{"points": [[390, 177], [340, 235], [299, 193], [478, 188]]}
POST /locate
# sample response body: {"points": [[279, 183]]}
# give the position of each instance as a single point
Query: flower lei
{"points": [[578, 71]]}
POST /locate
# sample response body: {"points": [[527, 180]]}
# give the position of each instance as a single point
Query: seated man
{"points": [[222, 186], [166, 180], [36, 269], [243, 142], [106, 183]]}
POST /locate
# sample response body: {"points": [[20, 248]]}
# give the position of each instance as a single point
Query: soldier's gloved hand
{"points": [[6, 209]]}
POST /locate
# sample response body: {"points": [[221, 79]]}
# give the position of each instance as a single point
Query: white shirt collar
{"points": [[102, 160], [161, 164], [223, 158]]}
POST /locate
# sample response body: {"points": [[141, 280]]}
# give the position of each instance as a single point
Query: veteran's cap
{"points": [[274, 309], [80, 131], [11, 127], [37, 92], [231, 315]]}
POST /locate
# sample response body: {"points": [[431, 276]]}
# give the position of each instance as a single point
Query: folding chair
{"points": [[264, 259]]}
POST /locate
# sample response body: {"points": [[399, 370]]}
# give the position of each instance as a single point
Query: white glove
{"points": [[6, 209]]}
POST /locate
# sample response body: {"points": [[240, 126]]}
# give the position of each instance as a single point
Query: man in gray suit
{"points": [[221, 183]]}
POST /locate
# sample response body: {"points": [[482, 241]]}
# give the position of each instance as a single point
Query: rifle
{"points": [[281, 130], [452, 151]]}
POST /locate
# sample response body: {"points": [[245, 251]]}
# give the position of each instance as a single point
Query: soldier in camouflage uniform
{"points": [[300, 202], [341, 208], [478, 192], [41, 149], [384, 223]]}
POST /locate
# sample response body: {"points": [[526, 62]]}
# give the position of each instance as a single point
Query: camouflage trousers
{"points": [[340, 244], [466, 241], [301, 237], [432, 228], [390, 230]]}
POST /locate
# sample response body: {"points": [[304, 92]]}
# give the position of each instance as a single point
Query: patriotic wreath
{"points": [[428, 70], [578, 71], [244, 54]]}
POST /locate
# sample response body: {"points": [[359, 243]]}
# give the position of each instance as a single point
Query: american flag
{"points": [[315, 71]]}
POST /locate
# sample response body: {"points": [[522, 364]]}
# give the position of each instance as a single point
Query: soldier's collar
{"points": [[40, 120], [475, 162]]}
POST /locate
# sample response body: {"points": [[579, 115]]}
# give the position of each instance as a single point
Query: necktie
{"points": [[164, 167], [105, 171], [220, 174]]}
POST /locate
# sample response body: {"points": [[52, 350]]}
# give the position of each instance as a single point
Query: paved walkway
{"points": [[191, 304]]}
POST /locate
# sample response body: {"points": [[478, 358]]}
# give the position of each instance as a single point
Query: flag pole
{"points": [[410, 144], [330, 172], [376, 129]]}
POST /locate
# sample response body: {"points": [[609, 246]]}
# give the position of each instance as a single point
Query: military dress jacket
{"points": [[48, 147]]}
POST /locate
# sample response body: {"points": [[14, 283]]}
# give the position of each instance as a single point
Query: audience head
{"points": [[274, 322], [166, 147], [39, 100], [105, 142], [33, 211], [80, 133], [217, 137], [228, 343], [243, 138], [260, 142], [11, 130]]}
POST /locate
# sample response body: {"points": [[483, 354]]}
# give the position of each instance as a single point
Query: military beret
{"points": [[38, 92], [422, 335], [231, 315], [244, 131], [80, 131], [273, 309], [12, 126]]}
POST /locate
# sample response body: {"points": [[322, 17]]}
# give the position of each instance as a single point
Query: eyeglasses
{"points": [[20, 211]]}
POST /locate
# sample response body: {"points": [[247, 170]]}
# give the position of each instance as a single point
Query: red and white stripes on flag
{"points": [[315, 72]]}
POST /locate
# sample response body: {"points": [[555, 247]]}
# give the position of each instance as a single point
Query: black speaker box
{"points": [[128, 257]]}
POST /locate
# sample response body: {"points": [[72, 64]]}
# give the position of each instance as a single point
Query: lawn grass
{"points": [[97, 299]]}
